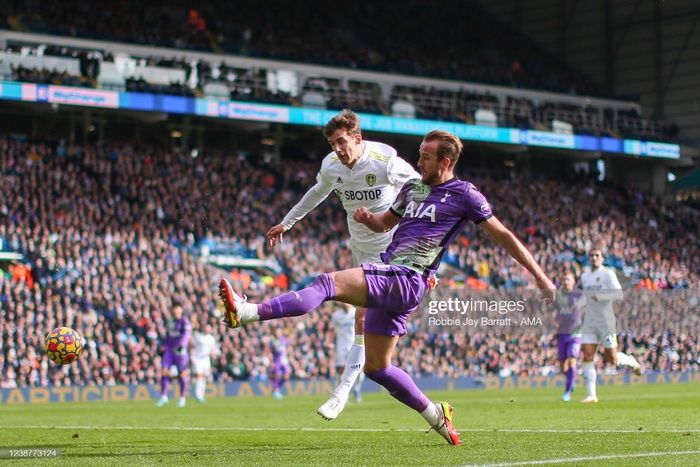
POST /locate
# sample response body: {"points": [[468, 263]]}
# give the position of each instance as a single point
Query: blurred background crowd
{"points": [[113, 234], [110, 235]]}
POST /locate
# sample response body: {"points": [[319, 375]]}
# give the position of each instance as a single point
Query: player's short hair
{"points": [[598, 246], [568, 271], [449, 145], [347, 120]]}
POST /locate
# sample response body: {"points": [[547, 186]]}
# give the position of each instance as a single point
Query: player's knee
{"points": [[376, 364]]}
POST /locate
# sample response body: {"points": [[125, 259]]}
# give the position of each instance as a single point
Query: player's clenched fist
{"points": [[362, 215]]}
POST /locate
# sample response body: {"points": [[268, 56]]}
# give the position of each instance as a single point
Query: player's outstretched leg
{"points": [[164, 385], [589, 380], [239, 312], [200, 388], [402, 387], [353, 368], [570, 378]]}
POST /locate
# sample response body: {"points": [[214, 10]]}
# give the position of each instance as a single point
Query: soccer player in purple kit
{"points": [[430, 213], [280, 362], [570, 303], [176, 358]]}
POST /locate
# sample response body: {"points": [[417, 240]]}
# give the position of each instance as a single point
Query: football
{"points": [[63, 345]]}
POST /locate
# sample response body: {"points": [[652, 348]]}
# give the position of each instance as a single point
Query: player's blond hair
{"points": [[449, 145], [347, 120]]}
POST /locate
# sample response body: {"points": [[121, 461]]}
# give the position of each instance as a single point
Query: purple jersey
{"points": [[177, 336], [279, 350], [431, 218], [570, 316]]}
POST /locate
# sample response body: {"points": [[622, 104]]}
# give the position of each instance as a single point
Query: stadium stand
{"points": [[110, 235], [482, 51], [104, 237]]}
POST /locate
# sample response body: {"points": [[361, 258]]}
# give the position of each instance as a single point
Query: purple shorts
{"points": [[394, 292], [568, 347], [281, 370], [182, 362]]}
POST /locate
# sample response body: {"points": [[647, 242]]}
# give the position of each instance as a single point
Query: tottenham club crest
{"points": [[371, 179]]}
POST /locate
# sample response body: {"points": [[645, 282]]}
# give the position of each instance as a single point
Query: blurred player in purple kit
{"points": [[280, 362], [570, 305], [176, 359], [429, 213]]}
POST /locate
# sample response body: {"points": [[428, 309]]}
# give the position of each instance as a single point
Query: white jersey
{"points": [[603, 283], [373, 182], [204, 344], [344, 323]]}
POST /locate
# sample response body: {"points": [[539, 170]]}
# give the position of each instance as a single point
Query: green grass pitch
{"points": [[646, 425]]}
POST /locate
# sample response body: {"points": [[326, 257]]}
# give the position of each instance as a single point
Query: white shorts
{"points": [[359, 257], [606, 340], [201, 366], [341, 357]]}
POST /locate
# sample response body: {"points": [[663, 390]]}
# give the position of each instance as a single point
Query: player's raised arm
{"points": [[308, 203], [517, 250], [381, 222]]}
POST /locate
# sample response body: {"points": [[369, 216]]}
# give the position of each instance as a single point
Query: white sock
{"points": [[431, 414], [353, 367], [248, 312], [200, 387], [589, 378], [626, 360]]}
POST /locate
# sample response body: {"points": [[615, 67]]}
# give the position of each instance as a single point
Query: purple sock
{"points": [[570, 378], [183, 386], [401, 387], [298, 303], [276, 383], [164, 385]]}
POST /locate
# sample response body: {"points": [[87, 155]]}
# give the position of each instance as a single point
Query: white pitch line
{"points": [[591, 458], [329, 429]]}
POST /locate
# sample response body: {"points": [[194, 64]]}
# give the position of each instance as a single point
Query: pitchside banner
{"points": [[144, 392]]}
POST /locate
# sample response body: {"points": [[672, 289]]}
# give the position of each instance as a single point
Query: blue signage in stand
{"points": [[300, 116]]}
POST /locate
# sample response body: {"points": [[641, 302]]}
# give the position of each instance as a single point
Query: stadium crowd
{"points": [[113, 234], [481, 50]]}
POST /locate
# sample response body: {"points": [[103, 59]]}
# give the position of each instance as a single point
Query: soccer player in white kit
{"points": [[205, 347], [343, 319], [362, 173], [601, 289]]}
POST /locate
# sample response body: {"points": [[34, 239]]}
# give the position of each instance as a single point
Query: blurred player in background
{"points": [[280, 362], [205, 348], [362, 173], [429, 214], [343, 320], [570, 304], [601, 289], [176, 359]]}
